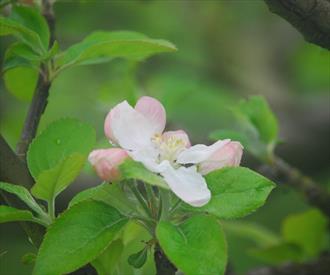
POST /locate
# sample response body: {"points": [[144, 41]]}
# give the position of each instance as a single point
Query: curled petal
{"points": [[177, 135], [188, 185], [200, 152], [129, 128], [107, 161], [107, 127], [153, 111], [226, 156]]}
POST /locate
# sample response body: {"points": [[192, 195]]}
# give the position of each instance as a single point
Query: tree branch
{"points": [[40, 98], [310, 17], [317, 267], [163, 264], [314, 193], [14, 171]]}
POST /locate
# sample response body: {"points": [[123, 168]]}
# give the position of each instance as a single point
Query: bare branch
{"points": [[310, 17]]}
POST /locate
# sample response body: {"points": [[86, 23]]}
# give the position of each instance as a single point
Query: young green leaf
{"points": [[307, 230], [235, 192], [134, 170], [77, 237], [106, 263], [57, 155], [21, 81], [10, 214], [51, 182], [138, 259], [196, 247], [33, 20], [110, 194], [101, 47], [29, 258], [22, 193]]}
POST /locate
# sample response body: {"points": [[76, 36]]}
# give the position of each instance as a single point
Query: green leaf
{"points": [[135, 170], [10, 214], [110, 194], [307, 230], [20, 55], [57, 155], [101, 47], [106, 263], [21, 82], [22, 193], [262, 117], [33, 20], [10, 27], [197, 246], [77, 237], [51, 182], [235, 192], [278, 254], [138, 259]]}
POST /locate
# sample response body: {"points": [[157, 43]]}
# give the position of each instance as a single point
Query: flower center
{"points": [[169, 147]]}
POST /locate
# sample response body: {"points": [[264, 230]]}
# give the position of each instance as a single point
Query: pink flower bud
{"points": [[107, 161], [226, 156]]}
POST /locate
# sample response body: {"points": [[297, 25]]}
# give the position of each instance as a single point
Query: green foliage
{"points": [[10, 214], [21, 82], [29, 258], [23, 194], [255, 232], [278, 254], [236, 192], [307, 230], [135, 170], [77, 237], [101, 47], [28, 26], [110, 194], [197, 246], [106, 263], [138, 259], [57, 155], [257, 127]]}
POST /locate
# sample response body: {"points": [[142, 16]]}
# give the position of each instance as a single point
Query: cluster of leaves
{"points": [[96, 216], [256, 127], [94, 227], [23, 58], [303, 237]]}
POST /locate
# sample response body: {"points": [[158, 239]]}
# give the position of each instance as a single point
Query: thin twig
{"points": [[313, 192], [40, 98]]}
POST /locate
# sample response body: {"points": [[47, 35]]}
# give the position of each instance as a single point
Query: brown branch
{"points": [[310, 17], [14, 171], [317, 267], [40, 98], [163, 264], [313, 192]]}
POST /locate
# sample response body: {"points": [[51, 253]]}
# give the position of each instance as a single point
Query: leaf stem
{"points": [[51, 208], [140, 198]]}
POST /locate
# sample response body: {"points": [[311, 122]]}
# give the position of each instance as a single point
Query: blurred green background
{"points": [[227, 50]]}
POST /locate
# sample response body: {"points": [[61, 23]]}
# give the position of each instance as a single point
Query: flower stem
{"points": [[140, 198], [51, 208]]}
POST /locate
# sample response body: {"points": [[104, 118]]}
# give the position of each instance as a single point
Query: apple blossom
{"points": [[140, 132], [107, 161]]}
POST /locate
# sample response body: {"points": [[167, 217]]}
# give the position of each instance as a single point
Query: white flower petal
{"points": [[129, 128], [200, 152], [148, 157], [188, 185], [154, 111]]}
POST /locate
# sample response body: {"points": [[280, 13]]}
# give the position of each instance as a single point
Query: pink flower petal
{"points": [[107, 161], [107, 126], [229, 155], [154, 111]]}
